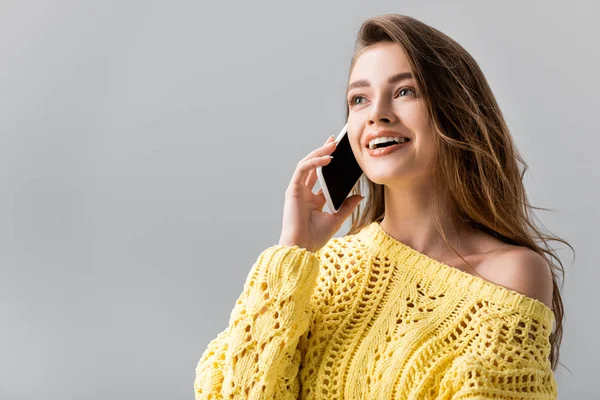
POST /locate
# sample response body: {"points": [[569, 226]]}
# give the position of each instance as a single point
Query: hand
{"points": [[304, 222]]}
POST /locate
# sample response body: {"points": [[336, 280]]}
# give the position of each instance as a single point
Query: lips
{"points": [[383, 133], [381, 151]]}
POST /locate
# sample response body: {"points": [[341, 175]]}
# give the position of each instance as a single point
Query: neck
{"points": [[409, 219]]}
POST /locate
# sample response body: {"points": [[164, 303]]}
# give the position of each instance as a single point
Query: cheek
{"points": [[353, 134], [355, 145], [413, 117]]}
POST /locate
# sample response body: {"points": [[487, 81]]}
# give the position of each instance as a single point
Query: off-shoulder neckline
{"points": [[380, 243]]}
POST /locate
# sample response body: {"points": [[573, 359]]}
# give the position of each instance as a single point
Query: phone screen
{"points": [[342, 172]]}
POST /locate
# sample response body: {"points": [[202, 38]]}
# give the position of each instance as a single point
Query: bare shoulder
{"points": [[520, 269]]}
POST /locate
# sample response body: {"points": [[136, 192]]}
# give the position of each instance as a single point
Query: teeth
{"points": [[384, 139]]}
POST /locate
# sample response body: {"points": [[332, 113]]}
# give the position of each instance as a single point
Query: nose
{"points": [[381, 112]]}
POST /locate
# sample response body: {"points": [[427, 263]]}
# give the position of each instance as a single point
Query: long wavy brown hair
{"points": [[476, 162]]}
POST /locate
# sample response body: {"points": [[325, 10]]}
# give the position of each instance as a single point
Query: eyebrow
{"points": [[392, 79]]}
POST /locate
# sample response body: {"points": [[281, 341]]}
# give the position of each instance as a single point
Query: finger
{"points": [[312, 175], [311, 179], [348, 206], [326, 149], [320, 199], [321, 151], [304, 167]]}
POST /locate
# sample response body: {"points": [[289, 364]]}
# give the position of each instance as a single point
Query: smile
{"points": [[388, 149]]}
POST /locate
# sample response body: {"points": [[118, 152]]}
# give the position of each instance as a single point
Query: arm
{"points": [[257, 355], [508, 358]]}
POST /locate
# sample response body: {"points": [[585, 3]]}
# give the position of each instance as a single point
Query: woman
{"points": [[439, 290]]}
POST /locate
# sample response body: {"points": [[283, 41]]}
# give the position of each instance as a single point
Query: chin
{"points": [[387, 176], [383, 178]]}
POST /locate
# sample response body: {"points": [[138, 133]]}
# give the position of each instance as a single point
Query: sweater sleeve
{"points": [[508, 358], [257, 355]]}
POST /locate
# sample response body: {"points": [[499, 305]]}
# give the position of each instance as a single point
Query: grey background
{"points": [[145, 149]]}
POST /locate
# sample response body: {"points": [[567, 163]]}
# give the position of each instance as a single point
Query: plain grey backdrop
{"points": [[145, 149]]}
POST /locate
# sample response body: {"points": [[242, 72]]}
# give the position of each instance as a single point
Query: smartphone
{"points": [[337, 179]]}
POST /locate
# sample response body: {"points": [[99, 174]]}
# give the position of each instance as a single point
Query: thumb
{"points": [[349, 205]]}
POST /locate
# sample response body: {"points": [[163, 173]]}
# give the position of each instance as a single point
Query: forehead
{"points": [[380, 61]]}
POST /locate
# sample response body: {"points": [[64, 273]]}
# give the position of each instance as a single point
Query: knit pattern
{"points": [[368, 317]]}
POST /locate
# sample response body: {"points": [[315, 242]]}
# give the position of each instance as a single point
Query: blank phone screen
{"points": [[342, 172]]}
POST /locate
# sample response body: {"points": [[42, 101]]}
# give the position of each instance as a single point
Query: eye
{"points": [[352, 100], [408, 88]]}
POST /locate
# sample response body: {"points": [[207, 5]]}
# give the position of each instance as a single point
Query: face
{"points": [[378, 104]]}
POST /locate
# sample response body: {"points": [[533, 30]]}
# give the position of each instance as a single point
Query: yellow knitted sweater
{"points": [[368, 317]]}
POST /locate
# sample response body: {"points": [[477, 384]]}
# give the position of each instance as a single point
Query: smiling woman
{"points": [[441, 289]]}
